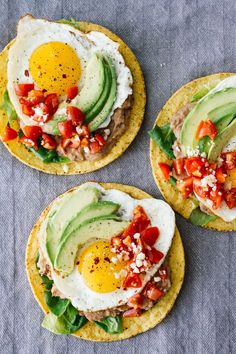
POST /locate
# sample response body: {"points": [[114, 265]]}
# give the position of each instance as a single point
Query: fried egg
{"points": [[54, 57], [96, 282]]}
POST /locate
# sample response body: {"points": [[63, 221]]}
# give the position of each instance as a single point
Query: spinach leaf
{"points": [[60, 325], [48, 283], [48, 156], [73, 321], [8, 107], [56, 305], [111, 324], [173, 181], [70, 22], [165, 138], [200, 218]]}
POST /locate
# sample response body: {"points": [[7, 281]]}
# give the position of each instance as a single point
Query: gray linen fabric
{"points": [[175, 41]]}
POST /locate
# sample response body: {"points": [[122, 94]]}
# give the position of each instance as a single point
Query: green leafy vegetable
{"points": [[70, 22], [48, 283], [8, 107], [165, 138], [200, 218], [173, 181], [48, 156], [111, 324], [60, 325], [204, 144], [57, 305]]}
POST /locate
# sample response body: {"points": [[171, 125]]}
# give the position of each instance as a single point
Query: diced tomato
{"points": [[72, 92], [25, 101], [23, 89], [100, 139], [51, 101], [94, 147], [65, 128], [27, 110], [229, 160], [35, 97], [135, 301], [75, 115], [154, 256], [48, 142], [230, 198], [44, 116], [75, 142], [140, 218], [220, 176], [185, 186], [32, 131], [130, 230], [127, 241], [85, 131], [198, 189], [150, 235], [84, 142], [9, 134], [132, 313], [178, 165], [65, 142], [165, 169], [195, 166], [216, 197], [206, 128], [152, 292], [132, 280], [28, 142], [116, 242], [163, 273]]}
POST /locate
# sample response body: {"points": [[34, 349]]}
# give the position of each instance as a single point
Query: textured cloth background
{"points": [[175, 41]]}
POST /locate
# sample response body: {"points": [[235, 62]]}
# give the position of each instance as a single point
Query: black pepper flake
{"points": [[64, 76], [77, 262], [26, 73], [96, 260], [107, 259]]}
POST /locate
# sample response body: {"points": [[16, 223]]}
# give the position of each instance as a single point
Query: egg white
{"points": [[73, 286], [32, 33]]}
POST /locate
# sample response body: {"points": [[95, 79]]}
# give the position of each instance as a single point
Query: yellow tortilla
{"points": [[169, 192], [132, 326], [134, 123]]}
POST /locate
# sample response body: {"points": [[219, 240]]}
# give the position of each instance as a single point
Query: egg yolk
{"points": [[98, 271], [55, 67]]}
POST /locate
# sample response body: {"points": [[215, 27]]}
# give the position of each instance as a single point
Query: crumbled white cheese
{"points": [[157, 279], [86, 150], [209, 180], [192, 152], [136, 235], [136, 270], [79, 130], [141, 256], [114, 260], [139, 263], [219, 161]]}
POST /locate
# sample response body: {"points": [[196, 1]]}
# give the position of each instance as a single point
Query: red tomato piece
{"points": [[154, 255], [185, 186], [9, 134], [85, 131], [72, 92], [32, 131], [150, 235], [165, 169], [220, 176], [23, 89], [116, 242], [130, 230], [100, 139], [216, 197], [132, 313], [152, 292], [65, 142], [178, 165], [48, 142], [65, 128], [229, 160], [135, 301], [198, 189], [132, 280], [206, 128], [163, 273], [27, 110], [75, 115], [51, 101], [94, 147], [195, 166], [35, 97], [230, 198], [84, 142], [140, 218], [28, 142], [44, 116]]}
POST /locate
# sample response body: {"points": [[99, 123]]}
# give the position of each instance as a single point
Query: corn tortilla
{"points": [[132, 326], [134, 122], [183, 206]]}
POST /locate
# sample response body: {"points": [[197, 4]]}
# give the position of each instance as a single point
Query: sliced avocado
{"points": [[101, 117], [103, 227], [94, 84], [91, 211], [104, 96], [72, 205], [222, 111], [221, 140], [223, 122], [200, 112]]}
